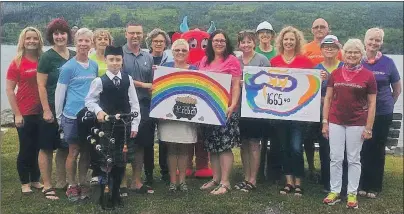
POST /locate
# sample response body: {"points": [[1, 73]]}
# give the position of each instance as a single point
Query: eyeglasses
{"points": [[322, 27], [217, 41], [329, 47], [180, 50], [158, 41]]}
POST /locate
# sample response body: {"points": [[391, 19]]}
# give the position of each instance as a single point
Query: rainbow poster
{"points": [[281, 93], [191, 96]]}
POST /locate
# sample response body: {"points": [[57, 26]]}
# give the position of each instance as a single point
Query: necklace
{"points": [[246, 61], [288, 61]]}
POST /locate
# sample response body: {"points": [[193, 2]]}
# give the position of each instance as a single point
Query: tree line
{"points": [[346, 19]]}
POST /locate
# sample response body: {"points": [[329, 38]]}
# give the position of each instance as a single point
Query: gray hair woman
{"points": [[158, 41], [387, 78], [348, 115]]}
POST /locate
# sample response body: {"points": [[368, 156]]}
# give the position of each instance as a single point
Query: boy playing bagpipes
{"points": [[112, 98]]}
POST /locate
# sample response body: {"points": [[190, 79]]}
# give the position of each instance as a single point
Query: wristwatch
{"points": [[325, 121]]}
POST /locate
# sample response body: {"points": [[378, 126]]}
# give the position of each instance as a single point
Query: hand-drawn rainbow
{"points": [[195, 83], [252, 91]]}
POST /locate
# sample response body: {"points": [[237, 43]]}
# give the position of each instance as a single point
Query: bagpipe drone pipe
{"points": [[108, 141]]}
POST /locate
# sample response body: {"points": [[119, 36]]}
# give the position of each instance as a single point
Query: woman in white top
{"points": [[185, 133]]}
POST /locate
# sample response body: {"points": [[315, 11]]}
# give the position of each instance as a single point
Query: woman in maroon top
{"points": [[289, 44], [348, 116], [26, 105]]}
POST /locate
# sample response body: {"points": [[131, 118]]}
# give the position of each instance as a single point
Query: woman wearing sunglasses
{"points": [[185, 133]]}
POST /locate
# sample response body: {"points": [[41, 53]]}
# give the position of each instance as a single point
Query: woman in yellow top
{"points": [[102, 38]]}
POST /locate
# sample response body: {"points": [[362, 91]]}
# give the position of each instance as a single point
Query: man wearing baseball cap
{"points": [[266, 35], [312, 50]]}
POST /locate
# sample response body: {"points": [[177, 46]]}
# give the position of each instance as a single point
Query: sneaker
{"points": [[73, 193], [84, 192], [172, 188], [332, 198], [352, 201], [183, 187]]}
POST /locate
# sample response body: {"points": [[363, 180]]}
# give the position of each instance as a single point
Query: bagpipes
{"points": [[106, 140]]}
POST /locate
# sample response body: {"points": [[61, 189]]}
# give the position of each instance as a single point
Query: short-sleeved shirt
{"points": [[139, 68], [349, 102], [102, 66], [328, 72], [386, 73], [185, 132], [231, 65], [257, 60], [268, 55], [313, 51], [27, 96], [50, 63], [299, 61], [78, 80]]}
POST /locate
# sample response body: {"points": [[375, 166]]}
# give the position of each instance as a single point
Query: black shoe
{"points": [[149, 180]]}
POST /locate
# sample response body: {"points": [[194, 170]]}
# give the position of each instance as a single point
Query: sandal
{"points": [[248, 187], [28, 189], [240, 185], [144, 189], [287, 189], [372, 195], [36, 185], [217, 189], [123, 192], [51, 192], [362, 193], [209, 185], [298, 191]]}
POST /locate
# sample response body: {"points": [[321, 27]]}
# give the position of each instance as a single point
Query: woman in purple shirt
{"points": [[387, 77]]}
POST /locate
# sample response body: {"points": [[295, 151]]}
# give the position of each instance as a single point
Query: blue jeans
{"points": [[290, 137]]}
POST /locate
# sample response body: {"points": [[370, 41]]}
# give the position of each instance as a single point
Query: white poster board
{"points": [[191, 96], [281, 93]]}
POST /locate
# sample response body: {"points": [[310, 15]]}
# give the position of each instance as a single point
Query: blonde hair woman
{"points": [[102, 38], [289, 45], [26, 105], [348, 116], [389, 89]]}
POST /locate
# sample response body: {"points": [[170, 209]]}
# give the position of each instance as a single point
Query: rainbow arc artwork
{"points": [[203, 89]]}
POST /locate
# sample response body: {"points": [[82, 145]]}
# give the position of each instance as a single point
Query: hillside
{"points": [[346, 19]]}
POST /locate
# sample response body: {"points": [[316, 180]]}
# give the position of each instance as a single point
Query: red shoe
{"points": [[188, 172], [204, 173]]}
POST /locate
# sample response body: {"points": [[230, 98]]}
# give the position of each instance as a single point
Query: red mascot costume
{"points": [[198, 41]]}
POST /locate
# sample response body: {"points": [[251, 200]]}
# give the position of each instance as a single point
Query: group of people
{"points": [[359, 88]]}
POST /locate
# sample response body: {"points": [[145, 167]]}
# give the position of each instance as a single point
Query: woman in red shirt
{"points": [[26, 106], [348, 116], [289, 133]]}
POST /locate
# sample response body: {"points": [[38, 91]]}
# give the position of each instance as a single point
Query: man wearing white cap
{"points": [[265, 34]]}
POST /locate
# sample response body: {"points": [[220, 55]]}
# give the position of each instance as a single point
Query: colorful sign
{"points": [[281, 93], [193, 96]]}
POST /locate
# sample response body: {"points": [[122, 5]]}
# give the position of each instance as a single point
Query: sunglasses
{"points": [[322, 27], [180, 50]]}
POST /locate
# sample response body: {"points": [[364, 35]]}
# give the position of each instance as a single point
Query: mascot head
{"points": [[197, 39]]}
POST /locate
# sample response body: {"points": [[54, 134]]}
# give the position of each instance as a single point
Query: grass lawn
{"points": [[265, 200]]}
